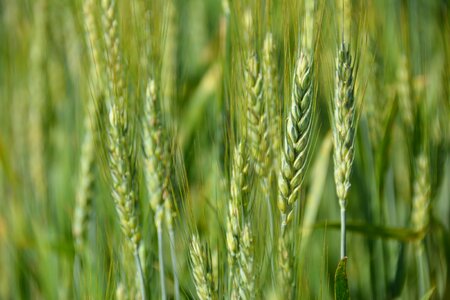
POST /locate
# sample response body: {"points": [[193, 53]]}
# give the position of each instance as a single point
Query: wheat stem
{"points": [[174, 264], [161, 260]]}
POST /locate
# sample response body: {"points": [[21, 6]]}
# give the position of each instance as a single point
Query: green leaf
{"points": [[428, 294], [340, 281]]}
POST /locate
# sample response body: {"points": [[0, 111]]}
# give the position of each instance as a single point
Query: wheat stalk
{"points": [[201, 269], [343, 131], [297, 139]]}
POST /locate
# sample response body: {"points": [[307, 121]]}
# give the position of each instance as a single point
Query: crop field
{"points": [[224, 149]]}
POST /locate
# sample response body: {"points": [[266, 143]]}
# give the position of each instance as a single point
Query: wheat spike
{"points": [[270, 95], [343, 131], [86, 184], [201, 270], [421, 200], [256, 117], [297, 139], [236, 207], [121, 158]]}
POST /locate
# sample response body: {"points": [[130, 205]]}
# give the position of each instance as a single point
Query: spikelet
{"points": [[297, 139], [256, 117], [201, 270], [343, 124]]}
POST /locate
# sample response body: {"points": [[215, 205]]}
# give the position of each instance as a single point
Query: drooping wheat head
{"points": [[297, 139]]}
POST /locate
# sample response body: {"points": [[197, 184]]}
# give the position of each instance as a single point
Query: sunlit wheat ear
{"points": [[201, 268], [343, 130], [270, 80], [297, 139], [421, 199], [256, 117], [247, 273]]}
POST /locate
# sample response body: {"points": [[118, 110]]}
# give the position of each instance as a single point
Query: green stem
{"points": [[174, 264], [161, 262], [140, 272], [343, 233]]}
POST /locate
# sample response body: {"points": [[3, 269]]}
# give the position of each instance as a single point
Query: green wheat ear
{"points": [[201, 268], [256, 117], [297, 139], [343, 131]]}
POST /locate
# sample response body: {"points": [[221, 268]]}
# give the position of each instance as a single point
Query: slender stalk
{"points": [[140, 272], [174, 264], [161, 262], [343, 233]]}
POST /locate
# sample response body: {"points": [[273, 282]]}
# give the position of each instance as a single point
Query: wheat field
{"points": [[234, 149]]}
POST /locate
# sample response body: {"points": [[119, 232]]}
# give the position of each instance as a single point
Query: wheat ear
{"points": [[120, 152], [270, 95], [257, 129], [236, 207], [200, 258], [297, 139], [155, 171], [343, 132], [86, 184]]}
